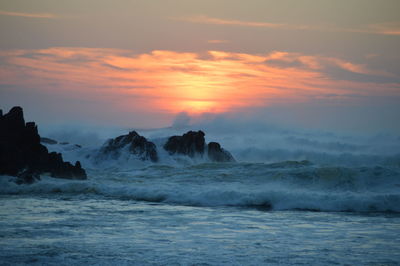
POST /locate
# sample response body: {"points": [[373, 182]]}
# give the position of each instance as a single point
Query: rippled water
{"points": [[62, 229], [239, 214]]}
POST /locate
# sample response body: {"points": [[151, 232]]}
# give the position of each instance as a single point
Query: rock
{"points": [[14, 119], [27, 177], [22, 155], [218, 154], [65, 169], [190, 143], [134, 143], [48, 141]]}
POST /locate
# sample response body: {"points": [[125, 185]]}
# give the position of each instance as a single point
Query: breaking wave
{"points": [[276, 169], [287, 185]]}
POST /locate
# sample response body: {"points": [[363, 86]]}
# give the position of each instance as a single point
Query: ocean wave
{"points": [[284, 186]]}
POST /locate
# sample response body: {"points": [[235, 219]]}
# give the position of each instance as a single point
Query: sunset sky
{"points": [[310, 63]]}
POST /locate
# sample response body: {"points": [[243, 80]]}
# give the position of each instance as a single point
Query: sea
{"points": [[291, 198]]}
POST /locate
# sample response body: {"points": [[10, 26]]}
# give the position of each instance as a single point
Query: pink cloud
{"points": [[168, 81]]}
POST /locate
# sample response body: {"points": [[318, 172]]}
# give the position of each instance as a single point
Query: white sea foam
{"points": [[277, 168], [278, 186], [192, 211], [269, 146]]}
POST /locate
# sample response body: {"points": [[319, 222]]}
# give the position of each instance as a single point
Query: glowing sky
{"points": [[139, 63]]}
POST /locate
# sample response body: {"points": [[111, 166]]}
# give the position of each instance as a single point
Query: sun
{"points": [[194, 92], [198, 106]]}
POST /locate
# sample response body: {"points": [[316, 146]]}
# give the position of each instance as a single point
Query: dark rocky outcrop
{"points": [[27, 177], [193, 144], [218, 154], [134, 143], [22, 154], [190, 143]]}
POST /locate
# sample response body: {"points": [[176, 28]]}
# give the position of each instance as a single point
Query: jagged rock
{"points": [[14, 118], [190, 143], [64, 169], [48, 141], [218, 154], [136, 144], [193, 142], [27, 177], [22, 154]]}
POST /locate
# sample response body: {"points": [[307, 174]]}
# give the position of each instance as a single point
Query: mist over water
{"points": [[253, 140], [278, 167]]}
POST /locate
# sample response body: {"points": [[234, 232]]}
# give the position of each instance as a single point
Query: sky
{"points": [[329, 65]]}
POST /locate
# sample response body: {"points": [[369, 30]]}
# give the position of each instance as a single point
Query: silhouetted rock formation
{"points": [[190, 143], [136, 144], [218, 154], [21, 153], [27, 177], [193, 143]]}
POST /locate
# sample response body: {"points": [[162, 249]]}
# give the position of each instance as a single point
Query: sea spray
{"points": [[287, 186]]}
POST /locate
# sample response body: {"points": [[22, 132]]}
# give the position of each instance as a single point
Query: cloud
{"points": [[379, 29], [286, 59], [357, 68], [385, 28], [173, 82], [28, 15], [217, 41], [218, 21]]}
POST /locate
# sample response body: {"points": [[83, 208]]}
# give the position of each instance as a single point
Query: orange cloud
{"points": [[167, 81], [27, 15], [321, 62]]}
